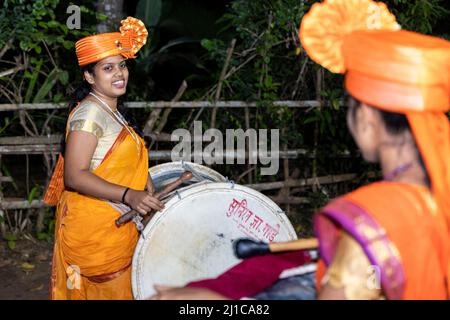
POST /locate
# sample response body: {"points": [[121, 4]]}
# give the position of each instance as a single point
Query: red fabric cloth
{"points": [[253, 275]]}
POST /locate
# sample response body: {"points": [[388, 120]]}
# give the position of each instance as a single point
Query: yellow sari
{"points": [[92, 256]]}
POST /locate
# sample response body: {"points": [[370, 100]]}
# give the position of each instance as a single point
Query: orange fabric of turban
{"points": [[127, 42], [398, 71]]}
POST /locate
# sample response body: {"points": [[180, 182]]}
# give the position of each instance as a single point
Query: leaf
{"points": [[60, 39], [58, 97], [51, 226], [42, 236], [327, 117], [311, 119], [43, 24], [24, 45], [208, 44], [68, 44], [33, 194], [33, 80], [12, 245], [10, 237], [64, 78], [149, 11], [84, 9], [335, 103], [101, 16], [27, 266], [64, 28], [53, 24], [47, 85]]}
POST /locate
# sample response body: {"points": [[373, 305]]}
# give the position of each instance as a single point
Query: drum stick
{"points": [[246, 248], [186, 176]]}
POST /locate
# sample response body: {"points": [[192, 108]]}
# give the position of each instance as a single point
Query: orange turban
{"points": [[127, 42], [391, 69], [398, 71]]}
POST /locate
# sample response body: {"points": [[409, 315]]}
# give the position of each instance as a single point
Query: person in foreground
{"points": [[396, 229], [102, 175]]}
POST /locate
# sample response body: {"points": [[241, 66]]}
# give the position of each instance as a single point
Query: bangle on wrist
{"points": [[124, 194]]}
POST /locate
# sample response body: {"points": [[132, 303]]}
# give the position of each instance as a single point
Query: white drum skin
{"points": [[165, 173], [191, 238]]}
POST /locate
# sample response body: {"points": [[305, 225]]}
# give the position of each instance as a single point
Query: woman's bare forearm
{"points": [[87, 183]]}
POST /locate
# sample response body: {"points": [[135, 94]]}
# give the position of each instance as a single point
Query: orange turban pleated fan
{"points": [[127, 42]]}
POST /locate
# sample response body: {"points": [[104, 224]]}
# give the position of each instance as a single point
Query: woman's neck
{"points": [[111, 102], [399, 159]]}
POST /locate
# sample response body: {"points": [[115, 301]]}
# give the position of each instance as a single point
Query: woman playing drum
{"points": [[103, 173]]}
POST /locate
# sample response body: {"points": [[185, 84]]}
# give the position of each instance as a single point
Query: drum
{"points": [[191, 238]]}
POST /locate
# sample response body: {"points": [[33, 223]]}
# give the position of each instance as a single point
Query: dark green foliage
{"points": [[421, 15]]}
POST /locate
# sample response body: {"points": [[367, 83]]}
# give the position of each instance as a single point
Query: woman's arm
{"points": [[79, 151], [349, 274]]}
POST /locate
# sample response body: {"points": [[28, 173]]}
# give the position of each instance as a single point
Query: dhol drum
{"points": [[191, 238]]}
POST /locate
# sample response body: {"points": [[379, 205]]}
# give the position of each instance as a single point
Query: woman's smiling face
{"points": [[110, 76]]}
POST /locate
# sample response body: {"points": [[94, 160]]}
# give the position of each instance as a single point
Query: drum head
{"points": [[166, 173], [191, 239]]}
